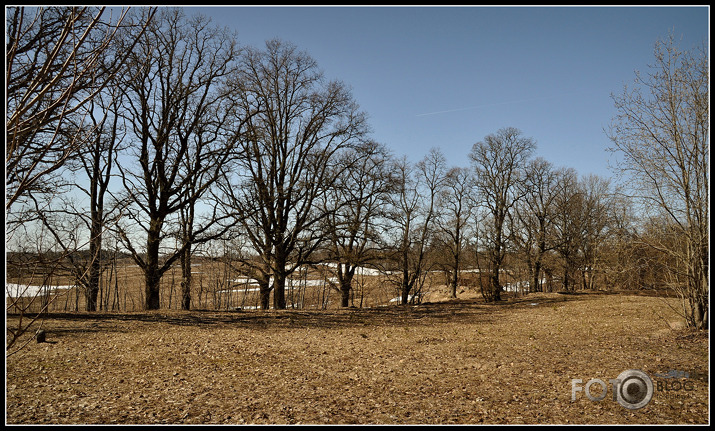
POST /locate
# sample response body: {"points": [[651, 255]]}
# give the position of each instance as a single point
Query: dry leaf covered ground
{"points": [[452, 362]]}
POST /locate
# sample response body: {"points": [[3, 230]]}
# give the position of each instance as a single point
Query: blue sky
{"points": [[448, 76]]}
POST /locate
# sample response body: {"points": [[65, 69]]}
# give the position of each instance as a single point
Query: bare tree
{"points": [[457, 209], [63, 218], [626, 258], [288, 151], [41, 264], [499, 162], [105, 131], [662, 133], [534, 215], [54, 67], [59, 60], [597, 225], [177, 107], [413, 212], [355, 207], [569, 220]]}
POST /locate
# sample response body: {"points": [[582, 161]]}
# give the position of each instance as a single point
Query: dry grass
{"points": [[214, 286], [459, 361]]}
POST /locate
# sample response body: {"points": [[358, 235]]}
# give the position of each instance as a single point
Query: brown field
{"points": [[215, 286], [447, 362]]}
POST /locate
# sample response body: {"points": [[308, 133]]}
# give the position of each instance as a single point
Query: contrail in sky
{"points": [[495, 104]]}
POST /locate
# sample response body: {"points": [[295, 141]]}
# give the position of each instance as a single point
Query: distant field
{"points": [[460, 361], [217, 286]]}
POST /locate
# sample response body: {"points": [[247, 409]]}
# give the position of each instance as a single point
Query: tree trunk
{"points": [[279, 292], [497, 258], [455, 276], [536, 279], [265, 294], [566, 282], [405, 287], [344, 295], [186, 279], [496, 287], [453, 284], [95, 250], [405, 294], [537, 269], [95, 240], [152, 276], [346, 285]]}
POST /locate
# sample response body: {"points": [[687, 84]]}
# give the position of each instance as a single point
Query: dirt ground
{"points": [[451, 362]]}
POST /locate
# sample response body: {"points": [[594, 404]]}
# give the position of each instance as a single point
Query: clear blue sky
{"points": [[448, 76]]}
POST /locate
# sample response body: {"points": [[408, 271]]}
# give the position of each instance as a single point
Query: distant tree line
{"points": [[152, 134]]}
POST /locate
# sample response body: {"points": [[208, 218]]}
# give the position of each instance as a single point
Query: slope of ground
{"points": [[460, 361]]}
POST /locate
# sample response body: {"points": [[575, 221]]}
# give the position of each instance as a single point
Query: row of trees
{"points": [[164, 132]]}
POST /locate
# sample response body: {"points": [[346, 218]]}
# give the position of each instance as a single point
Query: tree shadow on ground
{"points": [[425, 314]]}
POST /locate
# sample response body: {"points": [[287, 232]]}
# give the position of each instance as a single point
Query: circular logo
{"points": [[635, 389]]}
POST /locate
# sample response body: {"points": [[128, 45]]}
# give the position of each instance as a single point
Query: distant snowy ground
{"points": [[28, 291]]}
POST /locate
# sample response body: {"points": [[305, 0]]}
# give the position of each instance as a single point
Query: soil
{"points": [[456, 361]]}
